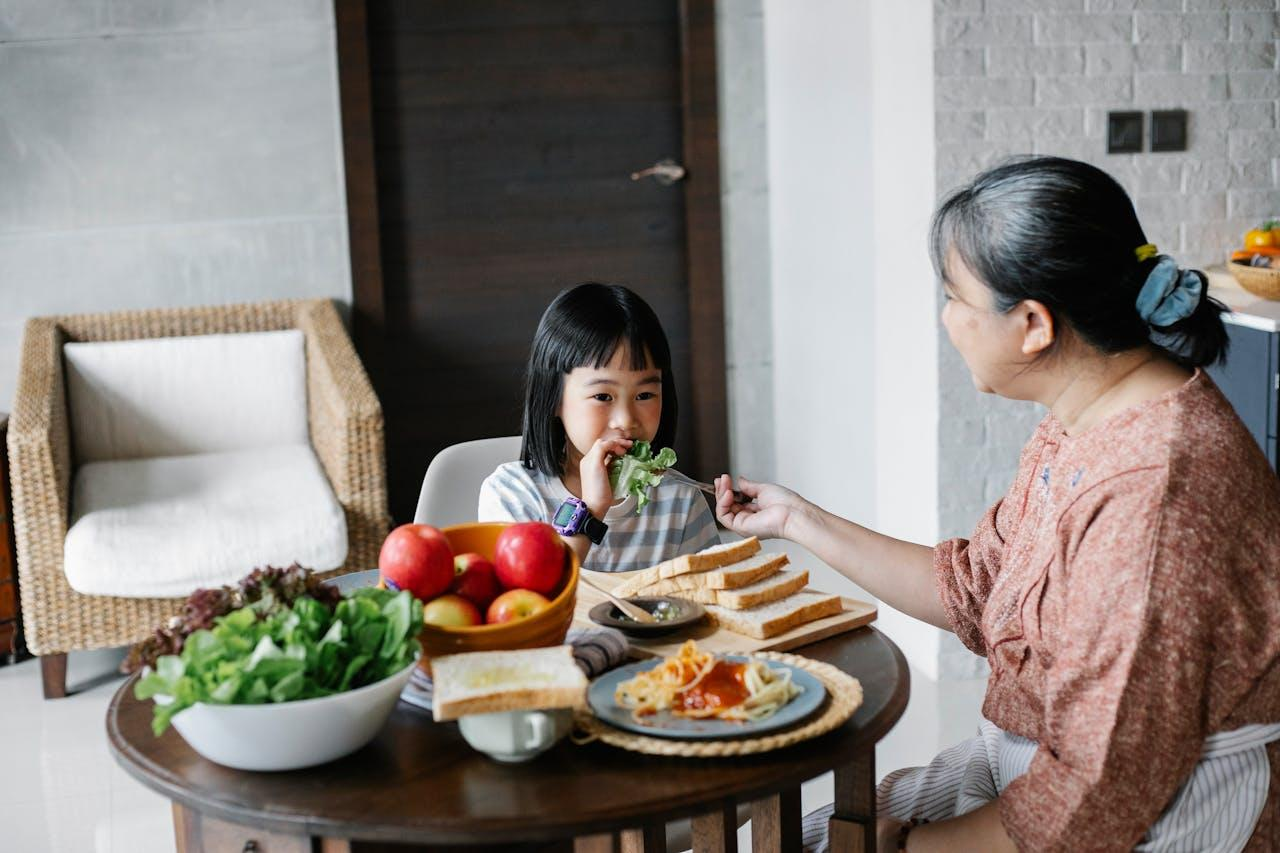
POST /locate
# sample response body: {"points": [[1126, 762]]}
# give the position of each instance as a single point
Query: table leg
{"points": [[716, 832], [197, 833], [853, 823], [601, 843], [648, 839], [775, 823], [334, 845]]}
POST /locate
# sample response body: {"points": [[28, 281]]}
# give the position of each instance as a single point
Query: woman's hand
{"points": [[772, 508], [597, 494], [887, 830]]}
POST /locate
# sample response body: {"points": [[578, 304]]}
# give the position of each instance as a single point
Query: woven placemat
{"points": [[844, 695]]}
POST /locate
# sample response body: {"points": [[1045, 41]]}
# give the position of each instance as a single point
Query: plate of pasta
{"points": [[698, 695]]}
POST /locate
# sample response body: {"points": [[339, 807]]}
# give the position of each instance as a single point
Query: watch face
{"points": [[564, 514]]}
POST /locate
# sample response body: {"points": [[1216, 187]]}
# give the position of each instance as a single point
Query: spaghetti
{"points": [[699, 685]]}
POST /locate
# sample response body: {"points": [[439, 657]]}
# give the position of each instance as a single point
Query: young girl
{"points": [[599, 379]]}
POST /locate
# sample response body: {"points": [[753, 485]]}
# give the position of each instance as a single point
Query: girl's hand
{"points": [[768, 514], [597, 494]]}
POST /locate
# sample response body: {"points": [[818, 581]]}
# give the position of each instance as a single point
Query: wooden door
{"points": [[501, 136]]}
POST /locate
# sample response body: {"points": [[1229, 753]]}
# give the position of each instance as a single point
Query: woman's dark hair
{"points": [[583, 327], [1063, 233]]}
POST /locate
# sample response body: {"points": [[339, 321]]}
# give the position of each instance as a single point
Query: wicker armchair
{"points": [[346, 433]]}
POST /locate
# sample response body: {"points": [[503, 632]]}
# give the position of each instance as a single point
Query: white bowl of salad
{"points": [[283, 672]]}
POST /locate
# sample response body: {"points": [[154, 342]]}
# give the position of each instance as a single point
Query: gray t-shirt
{"points": [[676, 521]]}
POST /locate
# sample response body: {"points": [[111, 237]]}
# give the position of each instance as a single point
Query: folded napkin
{"points": [[596, 650]]}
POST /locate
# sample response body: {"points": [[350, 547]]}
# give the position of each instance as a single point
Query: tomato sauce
{"points": [[722, 688]]}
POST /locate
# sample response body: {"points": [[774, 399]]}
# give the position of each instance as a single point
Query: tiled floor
{"points": [[60, 789]]}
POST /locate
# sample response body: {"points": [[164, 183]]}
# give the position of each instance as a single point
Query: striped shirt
{"points": [[1214, 810], [676, 521]]}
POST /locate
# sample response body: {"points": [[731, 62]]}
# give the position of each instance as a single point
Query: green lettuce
{"points": [[273, 652], [638, 471]]}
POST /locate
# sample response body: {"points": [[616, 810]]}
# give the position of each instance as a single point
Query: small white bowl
{"points": [[515, 736], [290, 735]]}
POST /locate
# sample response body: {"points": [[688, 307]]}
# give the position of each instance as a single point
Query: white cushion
{"points": [[172, 396], [151, 528]]}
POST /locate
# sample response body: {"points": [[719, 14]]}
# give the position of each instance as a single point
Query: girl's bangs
{"points": [[597, 347]]}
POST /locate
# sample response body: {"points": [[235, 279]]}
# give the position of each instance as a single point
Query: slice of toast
{"points": [[777, 586], [523, 679], [776, 617], [703, 561], [737, 575]]}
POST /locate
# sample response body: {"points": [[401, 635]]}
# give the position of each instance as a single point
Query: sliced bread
{"points": [[523, 679], [703, 561], [772, 588], [776, 617], [739, 574]]}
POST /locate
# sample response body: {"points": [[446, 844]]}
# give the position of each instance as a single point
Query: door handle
{"points": [[666, 172]]}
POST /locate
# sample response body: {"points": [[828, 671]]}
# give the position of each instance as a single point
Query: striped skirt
{"points": [[1214, 810]]}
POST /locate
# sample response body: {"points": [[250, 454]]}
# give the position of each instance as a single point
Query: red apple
{"points": [[418, 558], [452, 610], [529, 555], [516, 604], [475, 579]]}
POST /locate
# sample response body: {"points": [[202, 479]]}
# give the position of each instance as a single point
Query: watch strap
{"points": [[594, 529]]}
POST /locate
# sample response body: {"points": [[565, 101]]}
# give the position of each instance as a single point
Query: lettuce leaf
{"points": [[638, 471], [272, 652]]}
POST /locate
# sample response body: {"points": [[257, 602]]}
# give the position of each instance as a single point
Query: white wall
{"points": [[906, 317], [818, 90], [166, 152], [850, 93]]}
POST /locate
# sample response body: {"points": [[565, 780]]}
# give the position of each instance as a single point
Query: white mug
{"points": [[514, 736]]}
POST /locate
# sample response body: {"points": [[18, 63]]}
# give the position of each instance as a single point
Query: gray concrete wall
{"points": [[1038, 76], [166, 152], [744, 195]]}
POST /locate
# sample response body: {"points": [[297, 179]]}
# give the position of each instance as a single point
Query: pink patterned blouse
{"points": [[1126, 592]]}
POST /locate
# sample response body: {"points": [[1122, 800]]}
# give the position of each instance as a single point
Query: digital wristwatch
{"points": [[573, 517]]}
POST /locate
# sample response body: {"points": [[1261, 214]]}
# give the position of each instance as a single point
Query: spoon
{"points": [[639, 614]]}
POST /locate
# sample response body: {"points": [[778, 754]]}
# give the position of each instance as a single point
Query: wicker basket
{"points": [[1260, 281]]}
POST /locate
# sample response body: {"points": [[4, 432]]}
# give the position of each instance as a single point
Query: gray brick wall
{"points": [[1038, 76]]}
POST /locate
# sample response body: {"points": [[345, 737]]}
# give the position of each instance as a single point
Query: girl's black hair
{"points": [[583, 327], [1064, 233]]}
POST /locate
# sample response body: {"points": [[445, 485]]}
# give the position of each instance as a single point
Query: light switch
{"points": [[1169, 130], [1124, 133]]}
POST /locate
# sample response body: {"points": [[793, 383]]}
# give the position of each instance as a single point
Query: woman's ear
{"points": [[1038, 332]]}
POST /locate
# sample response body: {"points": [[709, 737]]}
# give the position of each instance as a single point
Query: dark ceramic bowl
{"points": [[673, 613]]}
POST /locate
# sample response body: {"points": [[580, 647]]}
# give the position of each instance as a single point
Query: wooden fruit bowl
{"points": [[547, 628], [1260, 281]]}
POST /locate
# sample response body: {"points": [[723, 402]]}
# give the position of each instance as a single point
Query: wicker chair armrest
{"points": [[39, 445], [346, 425]]}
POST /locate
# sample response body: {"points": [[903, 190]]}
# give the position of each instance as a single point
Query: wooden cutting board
{"points": [[721, 640]]}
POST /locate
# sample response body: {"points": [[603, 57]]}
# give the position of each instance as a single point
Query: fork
{"points": [[738, 497]]}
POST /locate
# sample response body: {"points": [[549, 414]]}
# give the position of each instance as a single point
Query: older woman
{"points": [[1126, 590]]}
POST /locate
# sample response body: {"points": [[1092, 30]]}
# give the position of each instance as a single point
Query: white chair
{"points": [[451, 486]]}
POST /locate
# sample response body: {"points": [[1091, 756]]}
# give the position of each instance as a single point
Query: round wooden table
{"points": [[419, 783]]}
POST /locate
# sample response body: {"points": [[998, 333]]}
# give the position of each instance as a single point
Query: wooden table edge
{"points": [[496, 832]]}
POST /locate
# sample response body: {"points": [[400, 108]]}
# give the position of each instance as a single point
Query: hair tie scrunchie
{"points": [[1169, 295]]}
